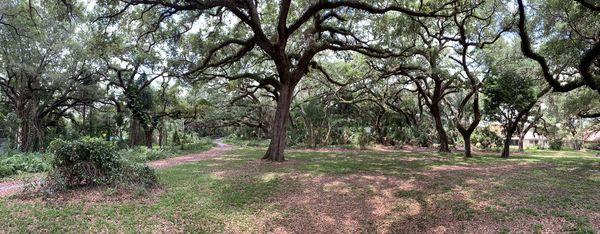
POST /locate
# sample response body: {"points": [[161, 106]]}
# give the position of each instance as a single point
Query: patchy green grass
{"points": [[349, 191], [142, 154], [247, 142]]}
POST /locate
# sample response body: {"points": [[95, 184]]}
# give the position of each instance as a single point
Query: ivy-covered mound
{"points": [[94, 161]]}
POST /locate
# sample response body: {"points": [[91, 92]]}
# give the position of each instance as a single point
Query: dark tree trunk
{"points": [[439, 127], [278, 127], [148, 133], [161, 136], [466, 134], [521, 139], [23, 135], [136, 133], [379, 129], [506, 149], [23, 132], [39, 136], [467, 140]]}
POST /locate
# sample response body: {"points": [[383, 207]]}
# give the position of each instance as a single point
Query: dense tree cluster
{"points": [[310, 72]]}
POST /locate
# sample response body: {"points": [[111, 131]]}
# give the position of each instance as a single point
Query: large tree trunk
{"points": [[148, 133], [23, 132], [23, 135], [506, 149], [521, 139], [278, 127], [135, 133], [439, 127], [39, 135], [467, 140]]}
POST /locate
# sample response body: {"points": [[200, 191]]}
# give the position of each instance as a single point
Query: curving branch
{"points": [[584, 64]]}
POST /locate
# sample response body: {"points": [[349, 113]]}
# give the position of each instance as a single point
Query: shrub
{"points": [[486, 138], [556, 144], [93, 161], [6, 170], [136, 174], [361, 137], [143, 154], [85, 161]]}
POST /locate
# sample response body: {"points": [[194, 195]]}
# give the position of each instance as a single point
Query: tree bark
{"points": [[136, 137], [23, 133], [506, 149], [439, 127], [148, 133], [379, 129], [467, 140], [521, 139], [278, 127], [161, 135]]}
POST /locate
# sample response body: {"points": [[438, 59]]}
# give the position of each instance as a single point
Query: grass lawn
{"points": [[348, 191]]}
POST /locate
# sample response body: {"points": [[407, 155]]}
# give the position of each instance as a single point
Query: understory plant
{"points": [[91, 162]]}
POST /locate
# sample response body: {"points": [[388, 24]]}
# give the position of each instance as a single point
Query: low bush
{"points": [[486, 138], [12, 163], [360, 137], [93, 161], [556, 144], [85, 161]]}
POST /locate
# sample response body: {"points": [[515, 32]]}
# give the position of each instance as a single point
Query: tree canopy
{"points": [[424, 73]]}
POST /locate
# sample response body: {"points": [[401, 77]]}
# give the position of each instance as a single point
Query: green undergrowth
{"points": [[17, 165]]}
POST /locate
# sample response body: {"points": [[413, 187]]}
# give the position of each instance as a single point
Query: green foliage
{"points": [[556, 144], [93, 161], [86, 161], [486, 138], [419, 137], [143, 154], [176, 139], [12, 163], [361, 137], [136, 175], [507, 94]]}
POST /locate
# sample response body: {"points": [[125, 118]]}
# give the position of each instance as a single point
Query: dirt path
{"points": [[12, 187]]}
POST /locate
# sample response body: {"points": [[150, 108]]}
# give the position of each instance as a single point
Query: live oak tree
{"points": [[289, 34], [471, 39], [509, 97], [570, 50], [44, 66], [428, 71]]}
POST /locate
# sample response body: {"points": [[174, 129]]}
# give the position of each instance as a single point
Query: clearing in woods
{"points": [[337, 191]]}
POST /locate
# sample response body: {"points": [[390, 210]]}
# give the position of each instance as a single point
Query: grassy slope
{"points": [[235, 194]]}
